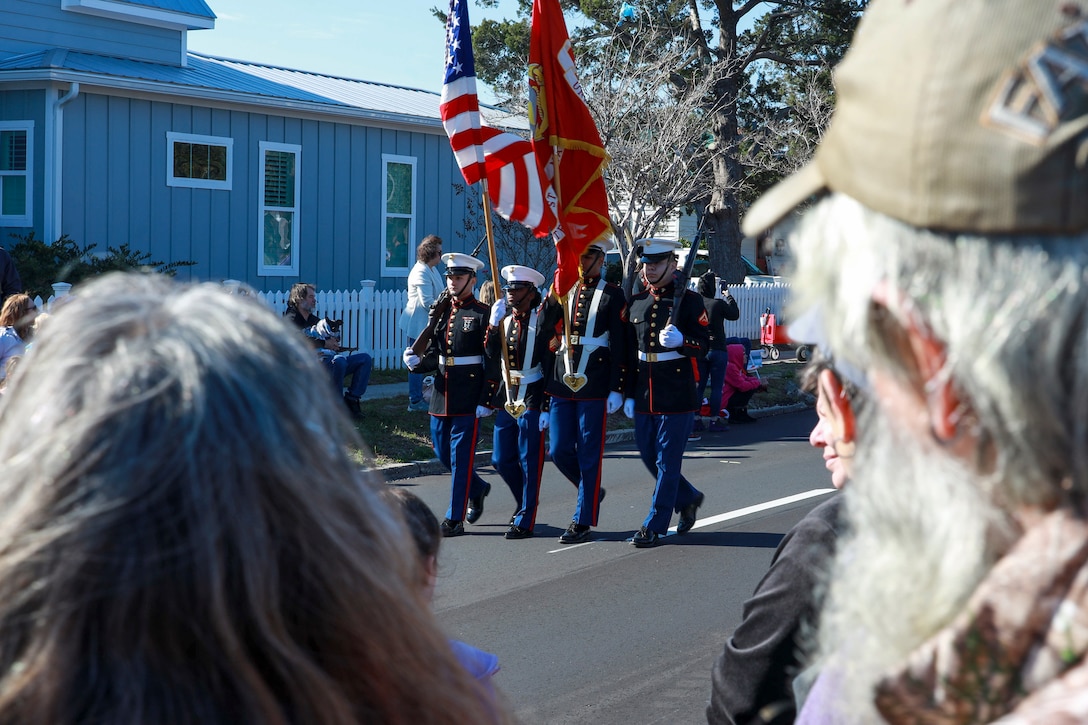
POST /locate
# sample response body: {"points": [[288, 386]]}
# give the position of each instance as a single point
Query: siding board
{"points": [[30, 25]]}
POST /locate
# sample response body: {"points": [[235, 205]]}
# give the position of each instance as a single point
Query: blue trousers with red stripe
{"points": [[577, 430], [661, 439], [454, 441], [518, 455]]}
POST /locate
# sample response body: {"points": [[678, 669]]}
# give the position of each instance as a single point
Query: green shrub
{"points": [[41, 264]]}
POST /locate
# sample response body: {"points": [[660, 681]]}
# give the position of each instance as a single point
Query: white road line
{"points": [[757, 508], [571, 547], [766, 505]]}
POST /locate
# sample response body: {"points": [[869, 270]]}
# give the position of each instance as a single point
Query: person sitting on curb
{"points": [[739, 387], [300, 312]]}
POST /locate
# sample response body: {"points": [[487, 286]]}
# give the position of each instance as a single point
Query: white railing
{"points": [[370, 317]]}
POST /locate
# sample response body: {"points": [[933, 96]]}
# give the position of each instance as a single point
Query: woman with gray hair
{"points": [[186, 538]]}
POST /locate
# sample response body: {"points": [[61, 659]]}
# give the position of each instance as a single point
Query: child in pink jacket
{"points": [[739, 386]]}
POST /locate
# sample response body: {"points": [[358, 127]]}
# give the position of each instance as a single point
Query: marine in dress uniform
{"points": [[586, 382], [464, 383], [519, 341], [663, 388]]}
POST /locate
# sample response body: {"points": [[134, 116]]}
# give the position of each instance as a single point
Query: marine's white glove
{"points": [[322, 328], [498, 311], [411, 360], [629, 408], [544, 420], [670, 337], [614, 402], [482, 411]]}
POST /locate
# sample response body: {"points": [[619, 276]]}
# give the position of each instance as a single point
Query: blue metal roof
{"points": [[189, 7], [264, 84]]}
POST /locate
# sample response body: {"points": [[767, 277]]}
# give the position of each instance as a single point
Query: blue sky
{"points": [[389, 41]]}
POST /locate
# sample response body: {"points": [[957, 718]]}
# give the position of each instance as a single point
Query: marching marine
{"points": [[662, 390], [519, 341], [586, 382], [463, 386]]}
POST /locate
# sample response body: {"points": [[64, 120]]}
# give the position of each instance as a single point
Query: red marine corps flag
{"points": [[565, 139], [517, 190]]}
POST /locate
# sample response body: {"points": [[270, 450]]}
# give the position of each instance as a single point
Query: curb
{"points": [[401, 471]]}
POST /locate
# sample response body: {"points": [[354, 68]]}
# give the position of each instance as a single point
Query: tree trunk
{"points": [[723, 213]]}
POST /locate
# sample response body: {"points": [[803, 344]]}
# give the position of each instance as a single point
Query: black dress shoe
{"points": [[575, 534], [476, 505], [645, 538], [600, 496], [687, 515], [741, 416], [353, 406], [516, 532], [450, 528]]}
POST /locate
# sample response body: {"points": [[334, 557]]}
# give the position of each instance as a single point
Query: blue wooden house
{"points": [[112, 132]]}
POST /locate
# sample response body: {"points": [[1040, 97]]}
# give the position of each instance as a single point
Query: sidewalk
{"points": [[387, 390]]}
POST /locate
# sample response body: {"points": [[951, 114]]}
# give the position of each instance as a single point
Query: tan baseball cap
{"points": [[958, 115]]}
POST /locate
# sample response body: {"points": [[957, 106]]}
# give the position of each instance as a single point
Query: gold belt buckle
{"points": [[448, 361], [651, 357], [575, 339]]}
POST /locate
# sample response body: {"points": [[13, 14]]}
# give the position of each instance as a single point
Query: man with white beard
{"points": [[948, 249]]}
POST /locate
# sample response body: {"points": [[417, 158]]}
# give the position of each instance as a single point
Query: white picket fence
{"points": [[753, 301], [370, 316], [370, 319]]}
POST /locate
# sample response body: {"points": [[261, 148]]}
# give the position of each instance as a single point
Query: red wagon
{"points": [[772, 336]]}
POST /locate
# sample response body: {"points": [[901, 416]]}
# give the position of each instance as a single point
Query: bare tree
{"points": [[685, 99]]}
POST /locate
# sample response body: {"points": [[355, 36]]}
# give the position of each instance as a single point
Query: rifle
{"points": [[683, 276], [440, 307]]}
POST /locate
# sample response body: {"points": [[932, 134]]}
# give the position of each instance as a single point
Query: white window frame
{"points": [[387, 270], [192, 138], [26, 219], [268, 270]]}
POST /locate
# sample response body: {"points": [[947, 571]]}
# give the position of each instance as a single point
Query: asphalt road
{"points": [[605, 633]]}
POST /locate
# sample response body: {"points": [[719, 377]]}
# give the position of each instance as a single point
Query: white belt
{"points": [[591, 342], [658, 356], [452, 361], [520, 377]]}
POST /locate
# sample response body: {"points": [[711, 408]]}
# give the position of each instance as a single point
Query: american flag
{"points": [[517, 189]]}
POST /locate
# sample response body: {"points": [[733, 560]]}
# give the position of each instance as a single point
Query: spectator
{"points": [[712, 367], [326, 338], [187, 537], [487, 293], [10, 283], [427, 536], [739, 386], [948, 248], [425, 283], [753, 677], [16, 328]]}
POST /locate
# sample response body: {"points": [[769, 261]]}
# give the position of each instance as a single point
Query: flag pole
{"points": [[490, 233], [571, 380]]}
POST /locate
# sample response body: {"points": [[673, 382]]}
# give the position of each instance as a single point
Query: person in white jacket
{"points": [[425, 283]]}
